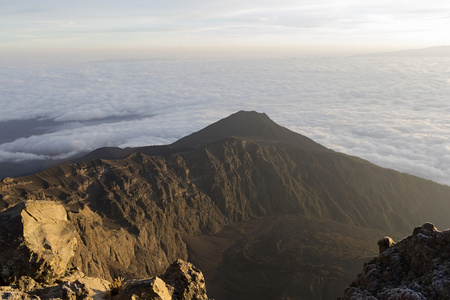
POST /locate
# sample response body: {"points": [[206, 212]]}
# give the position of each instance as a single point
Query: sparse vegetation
{"points": [[116, 286]]}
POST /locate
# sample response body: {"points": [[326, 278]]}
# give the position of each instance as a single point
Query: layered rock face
{"points": [[36, 256], [128, 215], [417, 267]]}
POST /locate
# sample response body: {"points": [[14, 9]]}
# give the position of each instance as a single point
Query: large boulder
{"points": [[417, 267], [36, 240]]}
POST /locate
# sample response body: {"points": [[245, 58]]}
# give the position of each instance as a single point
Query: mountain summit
{"points": [[248, 125]]}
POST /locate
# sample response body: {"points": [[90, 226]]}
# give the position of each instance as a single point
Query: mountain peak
{"points": [[249, 125]]}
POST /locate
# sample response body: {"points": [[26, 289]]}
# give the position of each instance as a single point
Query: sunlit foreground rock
{"points": [[417, 267], [36, 241], [37, 244], [180, 281]]}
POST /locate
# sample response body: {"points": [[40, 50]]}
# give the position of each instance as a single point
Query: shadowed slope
{"points": [[248, 125]]}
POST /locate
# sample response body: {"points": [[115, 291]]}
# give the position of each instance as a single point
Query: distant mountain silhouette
{"points": [[261, 210], [438, 51]]}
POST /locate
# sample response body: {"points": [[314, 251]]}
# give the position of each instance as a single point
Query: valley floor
{"points": [[282, 257]]}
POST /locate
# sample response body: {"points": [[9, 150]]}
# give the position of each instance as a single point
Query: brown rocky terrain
{"points": [[255, 206], [37, 244], [417, 267]]}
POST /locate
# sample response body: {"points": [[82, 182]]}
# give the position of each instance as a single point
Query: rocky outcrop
{"points": [[181, 281], [153, 288], [385, 243], [38, 245], [187, 281], [37, 240], [74, 286], [417, 267]]}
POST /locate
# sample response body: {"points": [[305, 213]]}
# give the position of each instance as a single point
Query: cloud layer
{"points": [[390, 111]]}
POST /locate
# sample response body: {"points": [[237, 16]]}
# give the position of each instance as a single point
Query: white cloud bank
{"points": [[390, 111]]}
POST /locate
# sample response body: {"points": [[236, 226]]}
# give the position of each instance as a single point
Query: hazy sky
{"points": [[50, 26]]}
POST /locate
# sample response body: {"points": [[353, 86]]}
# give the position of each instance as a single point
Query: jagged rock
{"points": [[69, 288], [188, 281], [154, 289], [181, 281], [417, 267], [74, 290], [36, 240], [385, 243], [26, 284], [20, 289], [10, 293]]}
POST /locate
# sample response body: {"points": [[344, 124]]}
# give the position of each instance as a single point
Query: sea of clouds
{"points": [[391, 111]]}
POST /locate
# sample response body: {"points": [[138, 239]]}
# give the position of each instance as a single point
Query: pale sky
{"points": [[30, 27]]}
